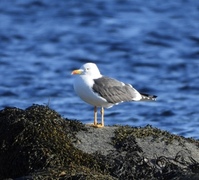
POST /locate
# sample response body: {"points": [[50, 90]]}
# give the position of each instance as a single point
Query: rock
{"points": [[37, 143]]}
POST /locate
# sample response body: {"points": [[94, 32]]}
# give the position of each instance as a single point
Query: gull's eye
{"points": [[87, 69]]}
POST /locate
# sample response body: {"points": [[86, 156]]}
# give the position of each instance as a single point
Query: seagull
{"points": [[102, 91]]}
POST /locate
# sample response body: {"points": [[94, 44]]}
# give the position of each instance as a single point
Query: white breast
{"points": [[83, 87]]}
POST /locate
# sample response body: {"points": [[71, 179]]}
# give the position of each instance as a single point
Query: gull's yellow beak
{"points": [[77, 71]]}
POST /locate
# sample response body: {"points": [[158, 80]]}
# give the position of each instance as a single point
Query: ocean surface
{"points": [[153, 45]]}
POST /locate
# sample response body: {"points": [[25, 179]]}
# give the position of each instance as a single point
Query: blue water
{"points": [[153, 45]]}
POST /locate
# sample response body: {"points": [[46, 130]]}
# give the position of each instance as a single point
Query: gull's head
{"points": [[89, 69]]}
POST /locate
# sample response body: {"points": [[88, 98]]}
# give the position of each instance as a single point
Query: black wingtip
{"points": [[147, 97]]}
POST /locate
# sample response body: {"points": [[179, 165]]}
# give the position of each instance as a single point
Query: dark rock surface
{"points": [[37, 143]]}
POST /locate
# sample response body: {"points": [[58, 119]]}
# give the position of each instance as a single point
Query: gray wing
{"points": [[114, 91]]}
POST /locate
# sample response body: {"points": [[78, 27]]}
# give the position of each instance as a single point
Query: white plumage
{"points": [[102, 91]]}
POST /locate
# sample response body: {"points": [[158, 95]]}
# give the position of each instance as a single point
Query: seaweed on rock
{"points": [[37, 143], [131, 161], [38, 139]]}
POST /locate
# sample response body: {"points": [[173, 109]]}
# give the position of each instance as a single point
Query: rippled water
{"points": [[153, 45]]}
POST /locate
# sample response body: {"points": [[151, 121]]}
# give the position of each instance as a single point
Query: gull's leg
{"points": [[102, 117], [95, 116]]}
